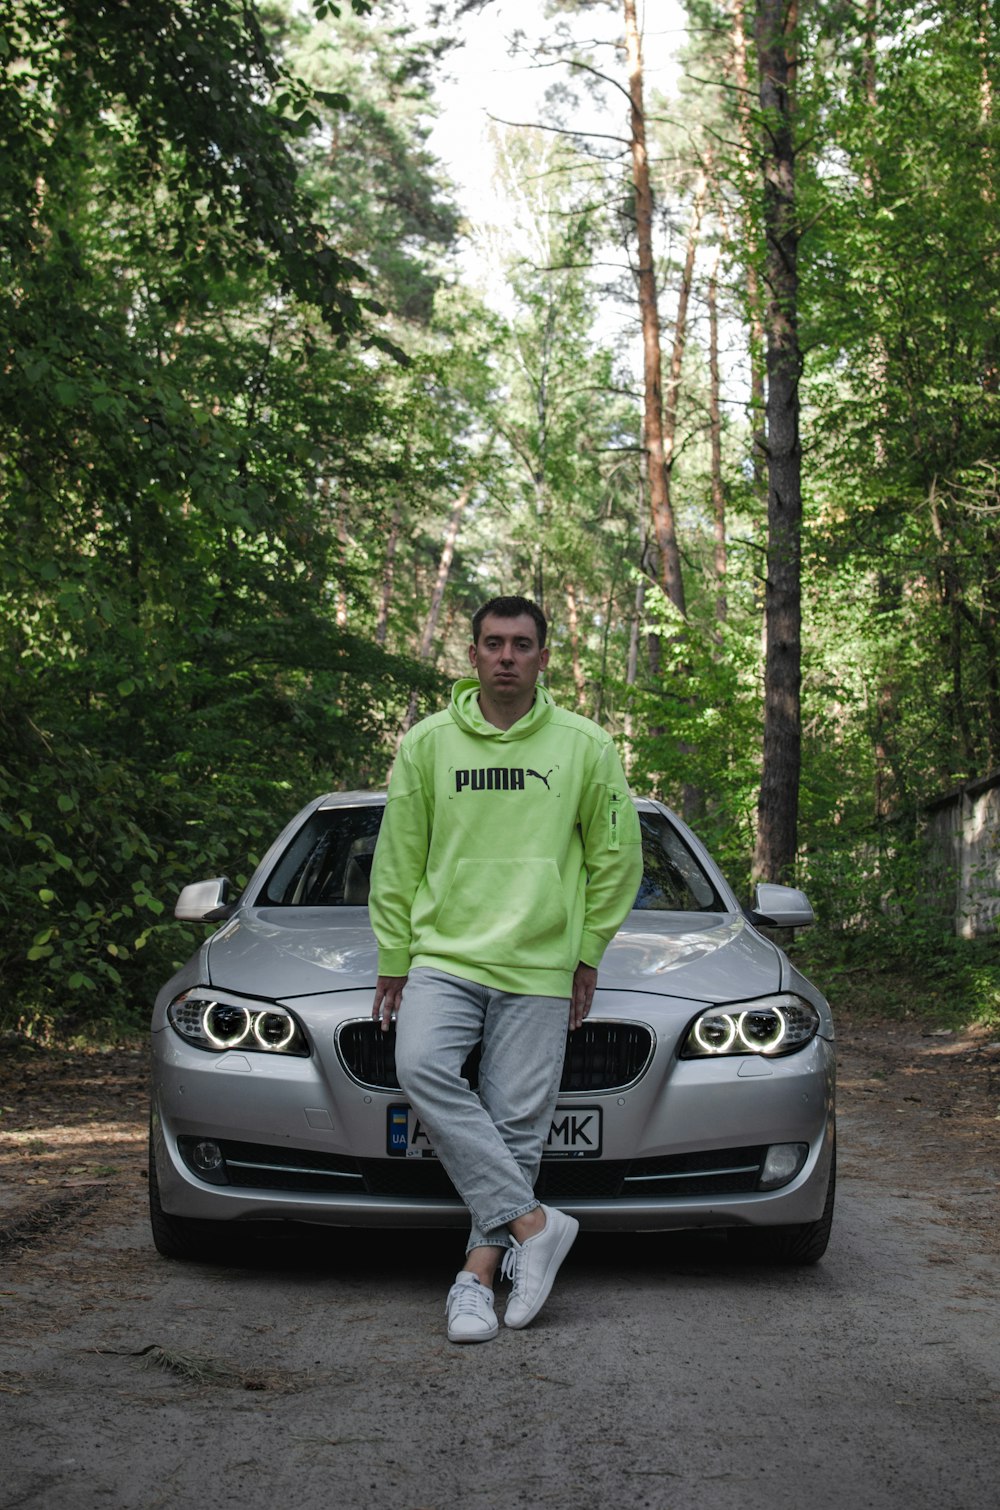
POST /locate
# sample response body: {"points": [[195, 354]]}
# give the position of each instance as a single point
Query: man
{"points": [[508, 856]]}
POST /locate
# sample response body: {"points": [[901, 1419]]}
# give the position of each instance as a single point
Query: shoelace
{"points": [[468, 1300], [508, 1269]]}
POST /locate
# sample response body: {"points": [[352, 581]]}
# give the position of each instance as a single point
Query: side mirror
{"points": [[205, 902], [781, 907]]}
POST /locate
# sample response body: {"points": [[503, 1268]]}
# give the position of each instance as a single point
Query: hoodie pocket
{"points": [[505, 912]]}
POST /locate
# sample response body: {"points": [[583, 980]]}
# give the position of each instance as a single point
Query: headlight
{"points": [[772, 1025], [217, 1023]]}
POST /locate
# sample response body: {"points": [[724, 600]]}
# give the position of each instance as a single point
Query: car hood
{"points": [[282, 954]]}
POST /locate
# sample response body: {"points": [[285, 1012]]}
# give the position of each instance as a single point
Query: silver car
{"points": [[699, 1092]]}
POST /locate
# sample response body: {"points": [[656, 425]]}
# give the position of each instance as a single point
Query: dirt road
{"points": [[660, 1374]]}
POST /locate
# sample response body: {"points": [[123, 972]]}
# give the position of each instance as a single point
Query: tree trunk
{"points": [[632, 665], [680, 331], [777, 810], [579, 680], [437, 596], [990, 636], [749, 189], [951, 589], [648, 567], [715, 433], [541, 454], [987, 50], [388, 573], [342, 542], [661, 509]]}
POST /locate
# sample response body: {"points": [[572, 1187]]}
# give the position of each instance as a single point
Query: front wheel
{"points": [[183, 1237], [799, 1243]]}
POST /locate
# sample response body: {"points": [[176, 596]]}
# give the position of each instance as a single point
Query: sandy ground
{"points": [[660, 1374]]}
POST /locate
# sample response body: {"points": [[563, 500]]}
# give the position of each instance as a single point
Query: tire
{"points": [[801, 1243], [183, 1237]]}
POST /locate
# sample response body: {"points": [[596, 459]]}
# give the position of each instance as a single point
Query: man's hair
{"points": [[511, 608]]}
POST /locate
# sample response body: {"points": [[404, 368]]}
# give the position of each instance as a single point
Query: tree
{"points": [[192, 386], [657, 460], [777, 809]]}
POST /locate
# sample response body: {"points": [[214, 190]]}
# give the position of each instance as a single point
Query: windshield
{"points": [[329, 861], [328, 864]]}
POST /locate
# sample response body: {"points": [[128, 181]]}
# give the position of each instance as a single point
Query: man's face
{"points": [[508, 658]]}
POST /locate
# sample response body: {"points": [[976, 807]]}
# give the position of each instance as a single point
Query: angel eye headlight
{"points": [[225, 1027], [217, 1023], [714, 1032], [773, 1025], [761, 1030], [274, 1030]]}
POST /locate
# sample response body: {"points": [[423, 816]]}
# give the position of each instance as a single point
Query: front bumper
{"points": [[309, 1112]]}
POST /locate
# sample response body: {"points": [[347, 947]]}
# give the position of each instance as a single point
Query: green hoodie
{"points": [[505, 856]]}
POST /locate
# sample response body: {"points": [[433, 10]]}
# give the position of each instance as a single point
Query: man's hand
{"points": [[584, 984], [388, 999]]}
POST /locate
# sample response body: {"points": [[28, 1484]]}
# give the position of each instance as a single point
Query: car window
{"points": [[672, 879], [328, 864]]}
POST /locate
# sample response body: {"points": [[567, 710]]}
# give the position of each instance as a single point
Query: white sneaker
{"points": [[532, 1266], [471, 1317]]}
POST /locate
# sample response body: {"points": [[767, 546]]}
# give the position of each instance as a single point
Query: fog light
{"points": [[783, 1162], [205, 1158]]}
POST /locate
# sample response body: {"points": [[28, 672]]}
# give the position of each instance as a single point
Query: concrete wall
{"points": [[963, 831]]}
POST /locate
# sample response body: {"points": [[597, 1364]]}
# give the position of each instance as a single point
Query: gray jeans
{"points": [[489, 1141]]}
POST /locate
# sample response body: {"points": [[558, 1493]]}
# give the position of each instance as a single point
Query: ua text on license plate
{"points": [[575, 1133]]}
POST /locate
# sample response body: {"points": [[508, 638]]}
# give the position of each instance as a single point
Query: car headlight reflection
{"points": [[219, 1023], [774, 1025]]}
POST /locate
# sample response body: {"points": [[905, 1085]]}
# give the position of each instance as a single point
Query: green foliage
{"points": [[903, 286], [699, 724], [187, 421]]}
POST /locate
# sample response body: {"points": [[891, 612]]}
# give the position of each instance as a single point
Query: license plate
{"points": [[576, 1133]]}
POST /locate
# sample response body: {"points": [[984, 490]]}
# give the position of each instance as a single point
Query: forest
{"points": [[725, 401]]}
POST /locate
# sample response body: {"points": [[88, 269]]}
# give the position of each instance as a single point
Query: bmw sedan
{"points": [[699, 1093]]}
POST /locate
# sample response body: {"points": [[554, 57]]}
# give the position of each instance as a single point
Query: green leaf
{"points": [[333, 99]]}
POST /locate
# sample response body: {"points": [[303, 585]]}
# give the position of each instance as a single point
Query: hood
{"points": [[279, 954], [713, 958], [465, 710]]}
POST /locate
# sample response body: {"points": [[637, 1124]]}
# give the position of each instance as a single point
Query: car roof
{"points": [[352, 799], [375, 799]]}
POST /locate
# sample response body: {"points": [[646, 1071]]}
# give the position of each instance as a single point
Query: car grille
{"points": [[600, 1056], [720, 1171]]}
